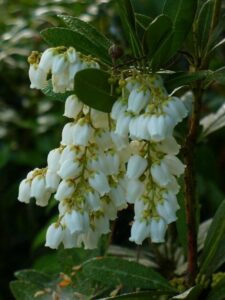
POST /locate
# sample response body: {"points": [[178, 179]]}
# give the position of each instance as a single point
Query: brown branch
{"points": [[190, 185]]}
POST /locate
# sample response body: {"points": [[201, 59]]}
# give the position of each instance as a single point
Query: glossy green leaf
{"points": [[213, 255], [204, 24], [88, 30], [173, 81], [156, 33], [92, 88], [114, 271], [58, 36], [143, 20], [218, 291], [127, 16], [32, 284], [135, 296], [23, 290], [182, 14], [55, 96]]}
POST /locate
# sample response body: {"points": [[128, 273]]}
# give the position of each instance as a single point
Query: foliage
{"points": [[178, 36]]}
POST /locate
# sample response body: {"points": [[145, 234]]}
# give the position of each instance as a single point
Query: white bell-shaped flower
{"points": [[52, 180], [38, 77], [117, 194], [24, 191], [65, 190], [109, 209], [93, 200], [53, 159], [160, 127], [135, 189], [118, 109], [90, 239], [43, 200], [120, 142], [160, 173], [140, 230], [99, 182], [70, 169], [76, 221], [72, 107], [176, 109], [157, 230], [46, 60], [138, 99], [67, 134], [136, 166], [168, 146], [166, 211], [175, 166], [38, 187], [54, 236], [103, 139], [82, 132], [122, 125], [70, 240]]}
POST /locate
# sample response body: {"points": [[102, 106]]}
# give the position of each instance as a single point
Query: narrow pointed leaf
{"points": [[128, 21], [204, 24], [58, 36], [173, 81], [85, 28], [156, 33], [143, 20], [135, 296], [182, 14], [213, 255], [114, 271], [92, 88]]}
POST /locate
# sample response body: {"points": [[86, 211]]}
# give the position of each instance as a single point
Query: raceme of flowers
{"points": [[105, 162]]}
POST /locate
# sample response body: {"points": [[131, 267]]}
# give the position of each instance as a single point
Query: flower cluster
{"points": [[146, 114], [61, 64], [105, 162]]}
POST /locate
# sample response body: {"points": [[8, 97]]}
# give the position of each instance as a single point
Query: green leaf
{"points": [[218, 291], [23, 290], [92, 88], [213, 255], [143, 20], [178, 79], [58, 36], [127, 16], [204, 22], [33, 276], [85, 28], [164, 52], [182, 13], [218, 75], [136, 296], [55, 96], [114, 271], [156, 33]]}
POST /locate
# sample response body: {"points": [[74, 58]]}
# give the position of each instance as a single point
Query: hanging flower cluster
{"points": [[106, 161], [61, 64]]}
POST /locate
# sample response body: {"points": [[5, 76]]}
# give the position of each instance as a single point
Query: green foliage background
{"points": [[30, 126]]}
